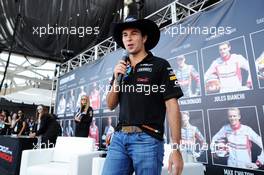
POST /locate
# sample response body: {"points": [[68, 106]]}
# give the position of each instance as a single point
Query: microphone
{"points": [[125, 57]]}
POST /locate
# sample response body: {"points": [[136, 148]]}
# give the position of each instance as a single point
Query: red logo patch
{"points": [[143, 80]]}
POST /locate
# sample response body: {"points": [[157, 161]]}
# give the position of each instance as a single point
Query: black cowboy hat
{"points": [[146, 26]]}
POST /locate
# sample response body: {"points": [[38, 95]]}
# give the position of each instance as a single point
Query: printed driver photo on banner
{"points": [[260, 66], [108, 129], [95, 96], [70, 102], [193, 143], [186, 74], [80, 94], [62, 104], [225, 73], [69, 132], [234, 141], [137, 144], [94, 131]]}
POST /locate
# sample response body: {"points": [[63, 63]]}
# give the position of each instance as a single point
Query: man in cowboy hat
{"points": [[137, 144]]}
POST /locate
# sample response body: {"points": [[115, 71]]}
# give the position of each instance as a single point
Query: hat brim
{"points": [[147, 26]]}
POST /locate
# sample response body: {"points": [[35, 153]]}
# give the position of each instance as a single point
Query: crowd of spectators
{"points": [[20, 124], [16, 123]]}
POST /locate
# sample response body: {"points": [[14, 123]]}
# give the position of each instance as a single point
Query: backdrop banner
{"points": [[218, 58]]}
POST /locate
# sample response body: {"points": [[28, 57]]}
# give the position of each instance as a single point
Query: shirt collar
{"points": [[149, 57]]}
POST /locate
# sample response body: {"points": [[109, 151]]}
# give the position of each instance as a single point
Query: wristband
{"points": [[174, 146]]}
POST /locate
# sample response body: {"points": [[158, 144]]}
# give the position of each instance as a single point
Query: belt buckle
{"points": [[127, 129], [130, 129]]}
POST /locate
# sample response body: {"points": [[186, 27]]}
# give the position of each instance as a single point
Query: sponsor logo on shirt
{"points": [[145, 64], [173, 78], [143, 80], [144, 69]]}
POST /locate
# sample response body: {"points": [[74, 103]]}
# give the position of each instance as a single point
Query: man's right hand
{"points": [[175, 165], [120, 68]]}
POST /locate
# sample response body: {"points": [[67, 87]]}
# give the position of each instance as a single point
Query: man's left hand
{"points": [[175, 159]]}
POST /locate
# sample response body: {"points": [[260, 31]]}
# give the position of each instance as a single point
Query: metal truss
{"points": [[90, 55], [168, 15]]}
